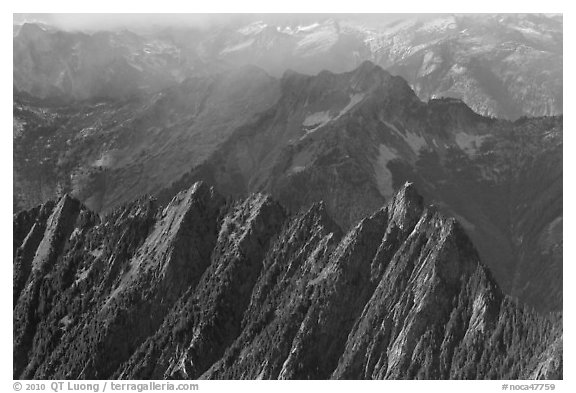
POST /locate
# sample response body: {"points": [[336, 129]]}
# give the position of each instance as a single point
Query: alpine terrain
{"points": [[289, 197], [205, 288]]}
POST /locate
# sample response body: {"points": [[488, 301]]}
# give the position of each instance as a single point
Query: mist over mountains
{"points": [[295, 198], [493, 62]]}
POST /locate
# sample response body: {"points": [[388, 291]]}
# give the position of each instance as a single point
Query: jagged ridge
{"points": [[207, 289], [352, 139]]}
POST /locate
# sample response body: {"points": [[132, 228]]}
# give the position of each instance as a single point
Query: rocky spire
{"points": [[203, 289]]}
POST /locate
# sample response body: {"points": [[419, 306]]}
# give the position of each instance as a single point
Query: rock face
{"points": [[349, 139], [203, 288], [28, 232], [492, 62], [352, 139], [206, 321], [118, 279], [31, 288]]}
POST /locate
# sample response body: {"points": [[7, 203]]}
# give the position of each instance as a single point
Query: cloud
{"points": [[91, 22], [120, 21]]}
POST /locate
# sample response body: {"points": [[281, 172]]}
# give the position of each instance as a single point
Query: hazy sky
{"points": [[119, 21]]}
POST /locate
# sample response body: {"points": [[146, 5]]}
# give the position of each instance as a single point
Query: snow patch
{"points": [[308, 27], [237, 47], [527, 31], [317, 119], [439, 24], [253, 28], [317, 41], [320, 119], [416, 142], [104, 161], [430, 63], [458, 69], [286, 30], [354, 99]]}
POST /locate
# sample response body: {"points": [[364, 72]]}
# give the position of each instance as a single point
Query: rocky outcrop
{"points": [[280, 299], [207, 319], [29, 228], [403, 324], [349, 140], [207, 289], [131, 268], [35, 297], [352, 139]]}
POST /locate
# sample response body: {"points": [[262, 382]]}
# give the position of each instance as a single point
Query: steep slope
{"points": [[115, 282], [109, 152], [492, 62], [432, 308], [205, 322], [508, 195], [281, 298], [352, 139], [202, 289], [302, 133], [28, 231], [34, 297]]}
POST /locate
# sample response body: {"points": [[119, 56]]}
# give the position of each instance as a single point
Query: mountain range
{"points": [[279, 199], [205, 288], [505, 66], [348, 139]]}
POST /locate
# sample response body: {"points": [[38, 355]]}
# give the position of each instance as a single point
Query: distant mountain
{"points": [[108, 152], [494, 63], [347, 139], [208, 289], [78, 66], [505, 66], [352, 139], [191, 205]]}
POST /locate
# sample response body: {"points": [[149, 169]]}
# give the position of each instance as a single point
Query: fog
{"points": [[88, 22]]}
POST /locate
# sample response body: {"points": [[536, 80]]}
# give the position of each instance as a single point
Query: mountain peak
{"points": [[368, 74], [366, 66], [31, 30], [199, 190], [406, 206], [289, 294]]}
